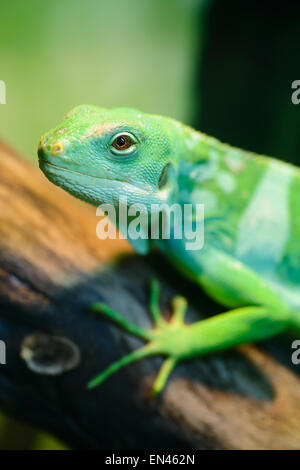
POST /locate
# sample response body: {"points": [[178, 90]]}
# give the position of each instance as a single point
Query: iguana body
{"points": [[250, 261]]}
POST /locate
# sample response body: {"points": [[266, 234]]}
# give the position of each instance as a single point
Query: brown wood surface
{"points": [[52, 266]]}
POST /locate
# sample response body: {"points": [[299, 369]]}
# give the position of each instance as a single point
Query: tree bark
{"points": [[52, 266]]}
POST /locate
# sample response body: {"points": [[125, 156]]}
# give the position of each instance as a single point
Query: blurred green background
{"points": [[224, 67], [55, 55]]}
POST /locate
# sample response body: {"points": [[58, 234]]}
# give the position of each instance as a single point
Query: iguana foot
{"points": [[165, 339]]}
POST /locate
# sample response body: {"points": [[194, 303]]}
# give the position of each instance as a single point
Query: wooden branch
{"points": [[52, 266]]}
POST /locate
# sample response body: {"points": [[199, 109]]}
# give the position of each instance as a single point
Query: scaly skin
{"points": [[250, 261]]}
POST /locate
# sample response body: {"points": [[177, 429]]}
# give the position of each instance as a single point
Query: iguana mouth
{"points": [[43, 164]]}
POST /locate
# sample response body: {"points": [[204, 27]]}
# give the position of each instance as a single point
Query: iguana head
{"points": [[99, 155]]}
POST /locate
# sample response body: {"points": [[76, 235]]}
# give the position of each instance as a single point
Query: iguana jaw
{"points": [[47, 167], [98, 190]]}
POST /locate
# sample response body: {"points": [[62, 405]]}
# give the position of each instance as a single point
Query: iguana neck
{"points": [[200, 147]]}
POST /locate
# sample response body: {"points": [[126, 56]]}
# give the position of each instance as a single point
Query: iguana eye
{"points": [[123, 143]]}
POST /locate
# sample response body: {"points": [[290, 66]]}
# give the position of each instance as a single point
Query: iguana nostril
{"points": [[57, 148]]}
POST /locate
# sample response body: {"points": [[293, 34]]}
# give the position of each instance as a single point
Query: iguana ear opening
{"points": [[163, 179], [167, 183]]}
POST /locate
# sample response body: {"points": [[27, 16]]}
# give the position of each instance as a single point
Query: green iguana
{"points": [[250, 260]]}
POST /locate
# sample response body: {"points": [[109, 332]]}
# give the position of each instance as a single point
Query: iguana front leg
{"points": [[162, 340], [178, 341]]}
